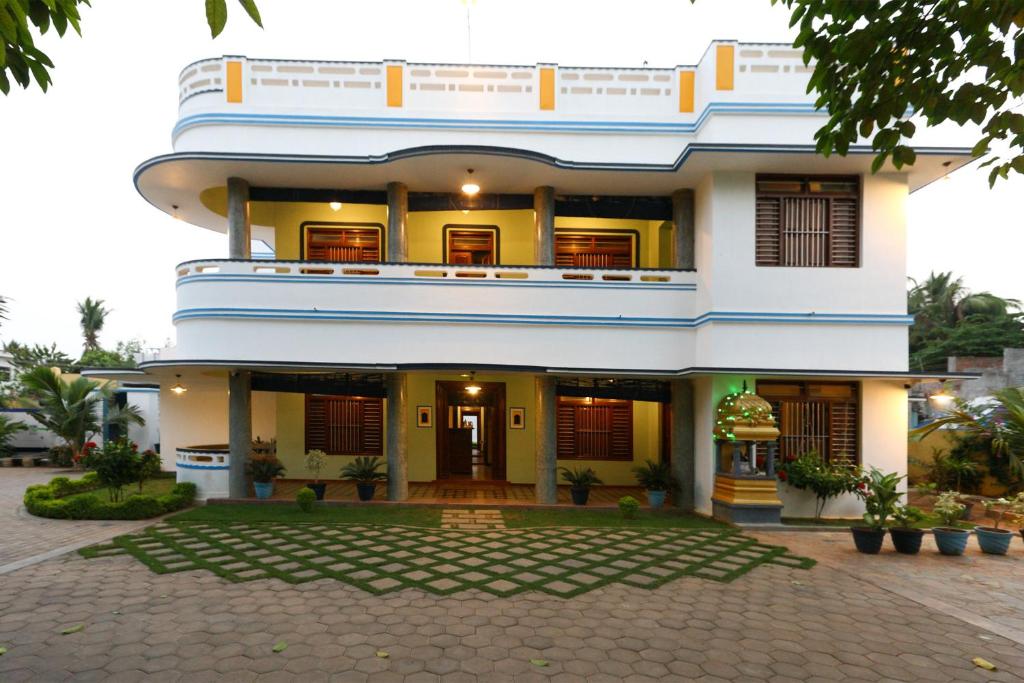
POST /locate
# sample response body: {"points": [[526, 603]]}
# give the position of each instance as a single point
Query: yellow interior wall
{"points": [[646, 446], [515, 230], [287, 217]]}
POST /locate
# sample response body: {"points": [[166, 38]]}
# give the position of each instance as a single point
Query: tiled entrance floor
{"points": [[563, 561]]}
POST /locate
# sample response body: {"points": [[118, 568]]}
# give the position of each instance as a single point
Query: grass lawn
{"points": [[605, 517], [290, 512], [927, 523]]}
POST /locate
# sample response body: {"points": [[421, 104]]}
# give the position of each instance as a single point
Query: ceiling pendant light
{"points": [[470, 188], [335, 206], [473, 388], [178, 388]]}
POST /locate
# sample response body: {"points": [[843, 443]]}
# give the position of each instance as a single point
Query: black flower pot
{"points": [[365, 491], [867, 539], [907, 541], [319, 488], [580, 494]]}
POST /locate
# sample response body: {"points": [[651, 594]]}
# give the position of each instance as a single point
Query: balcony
{"points": [[384, 314]]}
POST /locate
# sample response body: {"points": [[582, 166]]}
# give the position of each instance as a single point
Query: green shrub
{"points": [[71, 499], [306, 498], [629, 506]]}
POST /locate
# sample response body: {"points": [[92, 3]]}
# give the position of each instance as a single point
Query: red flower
{"points": [[862, 485], [89, 445], [782, 475]]}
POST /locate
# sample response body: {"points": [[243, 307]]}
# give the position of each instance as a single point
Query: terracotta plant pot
{"points": [[867, 539], [906, 541], [993, 541]]}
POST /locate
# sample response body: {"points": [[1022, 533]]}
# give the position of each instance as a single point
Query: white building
{"points": [[643, 242]]}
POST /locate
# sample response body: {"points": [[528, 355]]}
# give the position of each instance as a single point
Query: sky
{"points": [[73, 226]]}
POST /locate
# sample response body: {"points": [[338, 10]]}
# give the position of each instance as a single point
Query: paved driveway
{"points": [[25, 539], [775, 623]]}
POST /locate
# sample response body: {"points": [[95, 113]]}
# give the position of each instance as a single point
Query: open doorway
{"points": [[470, 431]]}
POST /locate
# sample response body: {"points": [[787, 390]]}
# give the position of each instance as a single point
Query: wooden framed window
{"points": [[596, 250], [345, 425], [594, 429], [819, 416], [346, 242], [811, 222], [471, 244]]}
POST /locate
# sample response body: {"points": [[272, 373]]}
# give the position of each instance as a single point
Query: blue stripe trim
{"points": [[220, 118], [523, 319], [186, 466], [457, 282]]}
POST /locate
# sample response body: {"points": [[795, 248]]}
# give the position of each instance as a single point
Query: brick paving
{"points": [[25, 538], [458, 518]]}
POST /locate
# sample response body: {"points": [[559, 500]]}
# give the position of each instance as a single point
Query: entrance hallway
{"points": [[478, 493]]}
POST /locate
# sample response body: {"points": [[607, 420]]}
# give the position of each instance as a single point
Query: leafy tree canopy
{"points": [[123, 356], [23, 21], [879, 64], [25, 357]]}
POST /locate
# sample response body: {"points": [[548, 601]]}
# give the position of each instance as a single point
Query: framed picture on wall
{"points": [[424, 416], [517, 418]]}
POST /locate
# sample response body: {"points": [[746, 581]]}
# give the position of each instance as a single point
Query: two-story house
{"points": [[491, 271]]}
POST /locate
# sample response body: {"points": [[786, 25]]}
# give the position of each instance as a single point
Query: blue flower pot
{"points": [[264, 489], [656, 499], [950, 541], [993, 541]]}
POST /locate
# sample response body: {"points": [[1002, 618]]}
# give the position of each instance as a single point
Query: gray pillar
{"points": [[397, 438], [683, 235], [546, 488], [544, 224], [683, 447], [398, 213], [239, 226], [239, 430]]}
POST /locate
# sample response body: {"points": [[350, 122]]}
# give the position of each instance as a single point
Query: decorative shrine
{"points": [[746, 490]]}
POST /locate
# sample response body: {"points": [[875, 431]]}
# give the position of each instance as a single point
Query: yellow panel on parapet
{"points": [[394, 85], [725, 57], [547, 89], [234, 91], [686, 94]]}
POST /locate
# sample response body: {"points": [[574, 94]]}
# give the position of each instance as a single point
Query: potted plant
{"points": [[580, 481], [658, 479], [992, 539], [825, 480], [950, 539], [315, 462], [905, 538], [363, 471], [880, 500], [263, 469]]}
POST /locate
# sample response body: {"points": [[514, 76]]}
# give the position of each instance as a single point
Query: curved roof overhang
{"points": [[185, 184]]}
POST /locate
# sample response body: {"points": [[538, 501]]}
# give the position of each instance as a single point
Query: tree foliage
{"points": [[122, 356], [950, 320], [877, 65], [92, 317], [22, 22], [25, 357]]}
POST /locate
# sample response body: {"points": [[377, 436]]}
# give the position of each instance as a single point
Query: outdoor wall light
{"points": [[178, 387], [335, 206], [470, 188], [942, 398]]}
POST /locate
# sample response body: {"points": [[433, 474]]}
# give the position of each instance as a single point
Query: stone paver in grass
{"points": [[553, 560]]}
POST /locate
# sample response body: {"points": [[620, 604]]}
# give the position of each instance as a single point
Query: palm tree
{"points": [[1001, 422], [93, 315], [8, 428], [3, 308], [71, 410]]}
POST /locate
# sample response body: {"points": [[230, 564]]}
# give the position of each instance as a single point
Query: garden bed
{"points": [[83, 498]]}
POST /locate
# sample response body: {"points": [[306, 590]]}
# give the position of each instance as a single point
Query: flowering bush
{"points": [[810, 472]]}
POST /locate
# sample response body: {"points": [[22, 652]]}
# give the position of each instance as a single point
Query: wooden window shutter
{"points": [[566, 429], [843, 437], [345, 425], [845, 224], [594, 251], [343, 244], [768, 230], [598, 430]]}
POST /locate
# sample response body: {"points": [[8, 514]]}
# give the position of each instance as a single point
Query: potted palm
{"points": [[363, 471], [905, 538], [580, 481], [658, 480], [950, 539], [315, 462], [992, 539], [263, 469], [880, 496]]}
